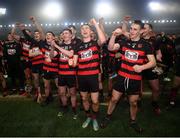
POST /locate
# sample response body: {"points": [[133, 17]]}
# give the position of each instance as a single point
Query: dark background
{"points": [[82, 10]]}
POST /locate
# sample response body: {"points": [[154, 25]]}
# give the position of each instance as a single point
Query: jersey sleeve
{"points": [[148, 49], [28, 37], [76, 48], [155, 44]]}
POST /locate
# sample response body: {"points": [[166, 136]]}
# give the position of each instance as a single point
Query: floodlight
{"points": [[155, 6], [2, 11], [104, 9], [52, 10]]}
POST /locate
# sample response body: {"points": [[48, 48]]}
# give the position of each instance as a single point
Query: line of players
{"points": [[76, 63]]}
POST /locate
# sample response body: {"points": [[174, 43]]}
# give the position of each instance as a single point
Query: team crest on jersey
{"points": [[68, 47], [131, 55], [63, 57], [133, 45], [86, 54], [11, 51], [48, 47], [86, 45], [35, 49], [26, 46], [47, 54]]}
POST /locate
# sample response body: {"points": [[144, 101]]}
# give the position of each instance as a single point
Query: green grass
{"points": [[23, 117]]}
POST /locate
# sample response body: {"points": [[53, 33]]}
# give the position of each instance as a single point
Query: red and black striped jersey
{"points": [[118, 39], [25, 48], [112, 54], [35, 47], [39, 59], [133, 53], [88, 61], [64, 68], [49, 64]]}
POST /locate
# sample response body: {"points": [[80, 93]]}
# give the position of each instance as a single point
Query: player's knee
{"points": [[62, 93], [133, 103], [73, 94], [84, 99], [95, 102], [114, 99]]}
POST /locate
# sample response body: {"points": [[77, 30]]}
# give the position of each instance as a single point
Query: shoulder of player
{"points": [[76, 40], [144, 42]]}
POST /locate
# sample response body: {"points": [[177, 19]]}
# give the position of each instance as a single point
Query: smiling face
{"points": [[86, 31], [37, 35], [147, 30], [66, 35], [10, 37], [135, 31], [49, 37]]}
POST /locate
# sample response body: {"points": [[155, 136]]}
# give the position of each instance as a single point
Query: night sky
{"points": [[82, 10]]}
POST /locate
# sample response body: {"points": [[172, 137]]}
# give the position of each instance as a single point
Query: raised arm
{"points": [[101, 35], [38, 26], [125, 23], [26, 35], [112, 46], [16, 37], [101, 25], [125, 26]]}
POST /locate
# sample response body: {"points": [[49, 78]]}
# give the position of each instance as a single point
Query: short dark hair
{"points": [[150, 25], [50, 33], [72, 26], [67, 29], [86, 25], [36, 31], [139, 22]]}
